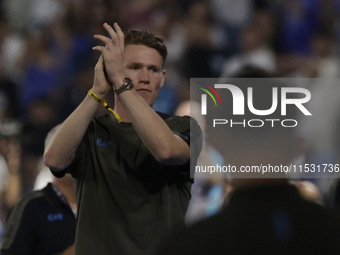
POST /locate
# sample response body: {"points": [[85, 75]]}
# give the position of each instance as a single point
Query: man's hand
{"points": [[60, 153], [100, 84], [113, 55]]}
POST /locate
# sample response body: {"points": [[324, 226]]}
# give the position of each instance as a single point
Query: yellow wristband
{"points": [[104, 103]]}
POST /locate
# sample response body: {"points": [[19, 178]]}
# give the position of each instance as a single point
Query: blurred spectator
{"points": [[44, 12], [10, 181], [299, 22], [82, 20], [9, 100], [40, 216], [267, 23], [308, 191], [231, 13], [41, 118], [255, 52], [46, 62], [320, 131], [17, 12], [141, 11], [329, 17], [323, 62], [43, 222], [9, 103], [232, 16], [323, 66], [203, 39], [12, 48], [10, 148]]}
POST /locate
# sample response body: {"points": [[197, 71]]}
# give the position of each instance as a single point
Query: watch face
{"points": [[127, 85], [128, 82], [127, 79]]}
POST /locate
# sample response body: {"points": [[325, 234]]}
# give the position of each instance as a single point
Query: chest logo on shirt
{"points": [[102, 143], [53, 217]]}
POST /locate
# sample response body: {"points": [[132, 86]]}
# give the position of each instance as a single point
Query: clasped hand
{"points": [[111, 60]]}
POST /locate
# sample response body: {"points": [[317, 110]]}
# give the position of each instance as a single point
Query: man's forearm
{"points": [[60, 152]]}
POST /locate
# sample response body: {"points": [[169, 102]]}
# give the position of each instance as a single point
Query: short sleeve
{"points": [[188, 129], [79, 156]]}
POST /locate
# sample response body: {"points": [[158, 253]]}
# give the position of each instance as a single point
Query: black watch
{"points": [[127, 85]]}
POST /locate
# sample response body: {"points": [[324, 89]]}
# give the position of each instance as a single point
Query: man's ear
{"points": [[163, 77]]}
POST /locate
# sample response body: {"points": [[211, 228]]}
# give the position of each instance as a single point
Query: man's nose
{"points": [[144, 76]]}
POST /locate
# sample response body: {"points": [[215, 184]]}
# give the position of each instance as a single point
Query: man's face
{"points": [[143, 65]]}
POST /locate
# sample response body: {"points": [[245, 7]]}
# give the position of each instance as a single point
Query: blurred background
{"points": [[46, 68]]}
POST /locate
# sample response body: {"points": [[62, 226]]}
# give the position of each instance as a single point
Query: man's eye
{"points": [[154, 69], [134, 67]]}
